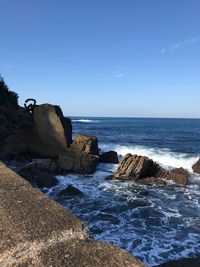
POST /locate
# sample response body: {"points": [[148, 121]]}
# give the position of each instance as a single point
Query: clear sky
{"points": [[104, 57]]}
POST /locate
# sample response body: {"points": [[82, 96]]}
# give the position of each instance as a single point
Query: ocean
{"points": [[156, 224]]}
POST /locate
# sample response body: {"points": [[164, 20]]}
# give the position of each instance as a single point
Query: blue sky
{"points": [[104, 57]]}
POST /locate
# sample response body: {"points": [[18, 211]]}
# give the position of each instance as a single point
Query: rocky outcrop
{"points": [[179, 176], [196, 167], [40, 173], [86, 144], [52, 132], [145, 171], [134, 167], [36, 231], [77, 162], [70, 191], [109, 157]]}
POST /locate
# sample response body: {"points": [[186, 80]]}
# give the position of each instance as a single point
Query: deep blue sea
{"points": [[155, 224]]}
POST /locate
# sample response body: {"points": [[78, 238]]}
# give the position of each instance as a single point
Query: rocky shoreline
{"points": [[42, 141]]}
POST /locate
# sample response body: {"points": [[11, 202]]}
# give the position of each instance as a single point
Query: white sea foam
{"points": [[85, 121], [164, 156]]}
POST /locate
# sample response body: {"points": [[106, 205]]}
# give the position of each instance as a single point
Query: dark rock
{"points": [[134, 167], [196, 166], [179, 176], [152, 181], [70, 191], [182, 263], [40, 173], [86, 144], [109, 157], [77, 162]]}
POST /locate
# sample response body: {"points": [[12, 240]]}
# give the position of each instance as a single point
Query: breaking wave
{"points": [[163, 156]]}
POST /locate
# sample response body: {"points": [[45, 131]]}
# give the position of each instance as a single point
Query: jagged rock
{"points": [[109, 157], [86, 144], [179, 176], [70, 191], [77, 162], [196, 166], [134, 167], [152, 181]]}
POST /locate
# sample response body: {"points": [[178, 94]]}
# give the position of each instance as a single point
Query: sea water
{"points": [[154, 223]]}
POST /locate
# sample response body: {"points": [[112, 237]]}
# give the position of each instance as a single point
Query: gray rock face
{"points": [[196, 166], [109, 157], [134, 167], [179, 176], [77, 162], [86, 144]]}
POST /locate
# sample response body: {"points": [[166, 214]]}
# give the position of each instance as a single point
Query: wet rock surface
{"points": [[179, 176], [134, 167], [70, 191], [109, 157], [196, 167]]}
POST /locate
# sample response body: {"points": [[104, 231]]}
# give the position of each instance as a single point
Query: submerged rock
{"points": [[134, 167], [152, 181], [179, 176], [196, 166], [86, 144], [109, 157], [70, 191]]}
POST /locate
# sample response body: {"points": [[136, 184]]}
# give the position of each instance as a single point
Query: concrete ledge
{"points": [[36, 231]]}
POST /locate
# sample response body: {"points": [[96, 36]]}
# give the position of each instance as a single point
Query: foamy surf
{"points": [[165, 157], [85, 121]]}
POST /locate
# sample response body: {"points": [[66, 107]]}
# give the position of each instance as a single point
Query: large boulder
{"points": [[196, 166], [134, 167], [86, 144], [78, 162], [179, 176], [109, 157], [52, 132]]}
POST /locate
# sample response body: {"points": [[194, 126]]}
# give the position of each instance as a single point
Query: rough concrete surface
{"points": [[36, 231]]}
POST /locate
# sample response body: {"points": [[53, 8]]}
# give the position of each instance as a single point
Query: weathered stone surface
{"points": [[86, 144], [52, 133], [70, 191], [152, 181], [77, 162], [36, 231], [182, 263], [196, 166], [109, 157], [179, 176], [134, 167]]}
